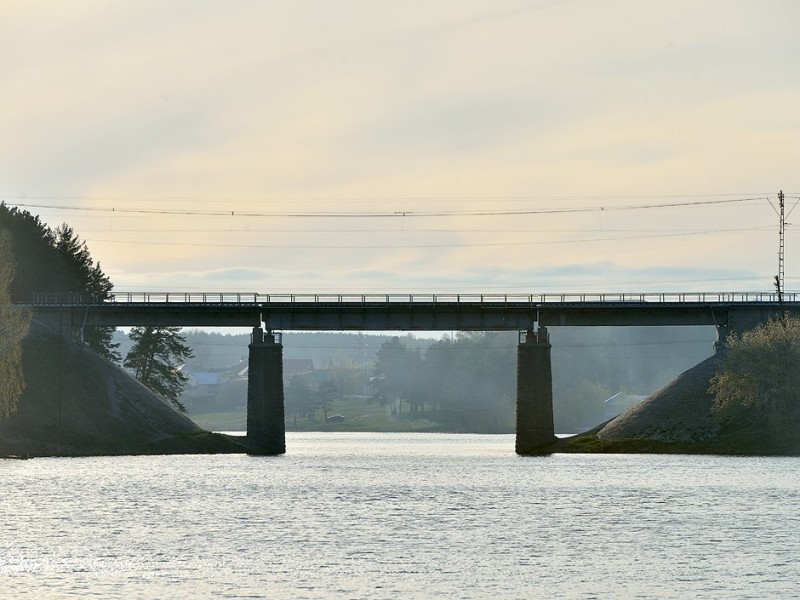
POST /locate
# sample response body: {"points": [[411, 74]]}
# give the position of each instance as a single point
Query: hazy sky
{"points": [[409, 146]]}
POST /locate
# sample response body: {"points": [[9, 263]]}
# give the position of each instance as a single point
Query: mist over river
{"points": [[376, 515]]}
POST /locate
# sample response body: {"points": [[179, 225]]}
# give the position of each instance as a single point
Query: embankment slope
{"points": [[77, 404], [680, 418]]}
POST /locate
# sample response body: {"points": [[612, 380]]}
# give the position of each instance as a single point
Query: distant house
{"points": [[203, 384], [212, 378], [619, 403], [237, 371], [202, 378]]}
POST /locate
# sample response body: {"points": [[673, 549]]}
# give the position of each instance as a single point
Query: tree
{"points": [[327, 393], [154, 359], [91, 281], [39, 267], [14, 324], [758, 381], [476, 374], [298, 397], [393, 373]]}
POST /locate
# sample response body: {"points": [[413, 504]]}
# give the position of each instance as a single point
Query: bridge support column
{"points": [[534, 393], [266, 429]]}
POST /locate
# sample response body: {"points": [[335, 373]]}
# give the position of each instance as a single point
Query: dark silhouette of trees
{"points": [[56, 261], [327, 394], [394, 380], [299, 398], [93, 282], [39, 266], [155, 358], [14, 323]]}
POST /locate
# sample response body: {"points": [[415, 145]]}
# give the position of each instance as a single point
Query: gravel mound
{"points": [[678, 412]]}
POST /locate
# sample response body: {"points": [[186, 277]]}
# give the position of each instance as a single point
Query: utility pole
{"points": [[781, 245], [779, 278]]}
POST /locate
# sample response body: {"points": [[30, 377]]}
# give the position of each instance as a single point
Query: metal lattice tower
{"points": [[781, 244]]}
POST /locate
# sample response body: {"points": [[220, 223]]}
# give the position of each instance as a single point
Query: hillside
{"points": [[679, 418], [681, 411], [77, 404]]}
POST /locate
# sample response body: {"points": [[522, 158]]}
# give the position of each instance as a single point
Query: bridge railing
{"points": [[250, 298], [43, 298]]}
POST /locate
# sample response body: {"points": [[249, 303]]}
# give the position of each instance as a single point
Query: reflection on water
{"points": [[352, 515]]}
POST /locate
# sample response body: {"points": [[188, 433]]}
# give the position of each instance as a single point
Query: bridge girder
{"points": [[416, 316]]}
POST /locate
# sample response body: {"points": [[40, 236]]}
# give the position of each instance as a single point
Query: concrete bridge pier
{"points": [[266, 429], [534, 393]]}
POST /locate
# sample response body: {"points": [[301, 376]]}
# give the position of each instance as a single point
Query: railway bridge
{"points": [[531, 315]]}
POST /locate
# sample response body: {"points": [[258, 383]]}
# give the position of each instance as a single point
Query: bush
{"points": [[758, 382]]}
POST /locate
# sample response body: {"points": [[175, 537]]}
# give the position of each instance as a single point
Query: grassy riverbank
{"points": [[237, 421], [360, 415]]}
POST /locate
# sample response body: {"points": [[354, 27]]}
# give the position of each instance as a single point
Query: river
{"points": [[371, 515]]}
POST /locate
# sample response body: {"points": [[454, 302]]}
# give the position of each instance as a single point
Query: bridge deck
{"points": [[413, 312]]}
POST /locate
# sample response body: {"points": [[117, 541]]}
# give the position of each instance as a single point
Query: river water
{"points": [[351, 515]]}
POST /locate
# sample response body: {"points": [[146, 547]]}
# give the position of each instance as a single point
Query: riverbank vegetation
{"points": [[757, 386]]}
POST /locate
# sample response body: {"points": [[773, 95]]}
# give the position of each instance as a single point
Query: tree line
{"points": [[470, 376]]}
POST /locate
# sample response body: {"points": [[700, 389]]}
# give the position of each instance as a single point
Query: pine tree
{"points": [[39, 267], [56, 260], [92, 282], [155, 359], [14, 325]]}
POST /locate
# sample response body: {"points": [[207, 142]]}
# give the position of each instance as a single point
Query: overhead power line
{"points": [[377, 198], [417, 245], [389, 214]]}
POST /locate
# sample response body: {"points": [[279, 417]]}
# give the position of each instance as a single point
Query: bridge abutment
{"points": [[266, 429], [534, 393]]}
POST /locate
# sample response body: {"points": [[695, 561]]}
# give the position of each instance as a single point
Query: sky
{"points": [[459, 146]]}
